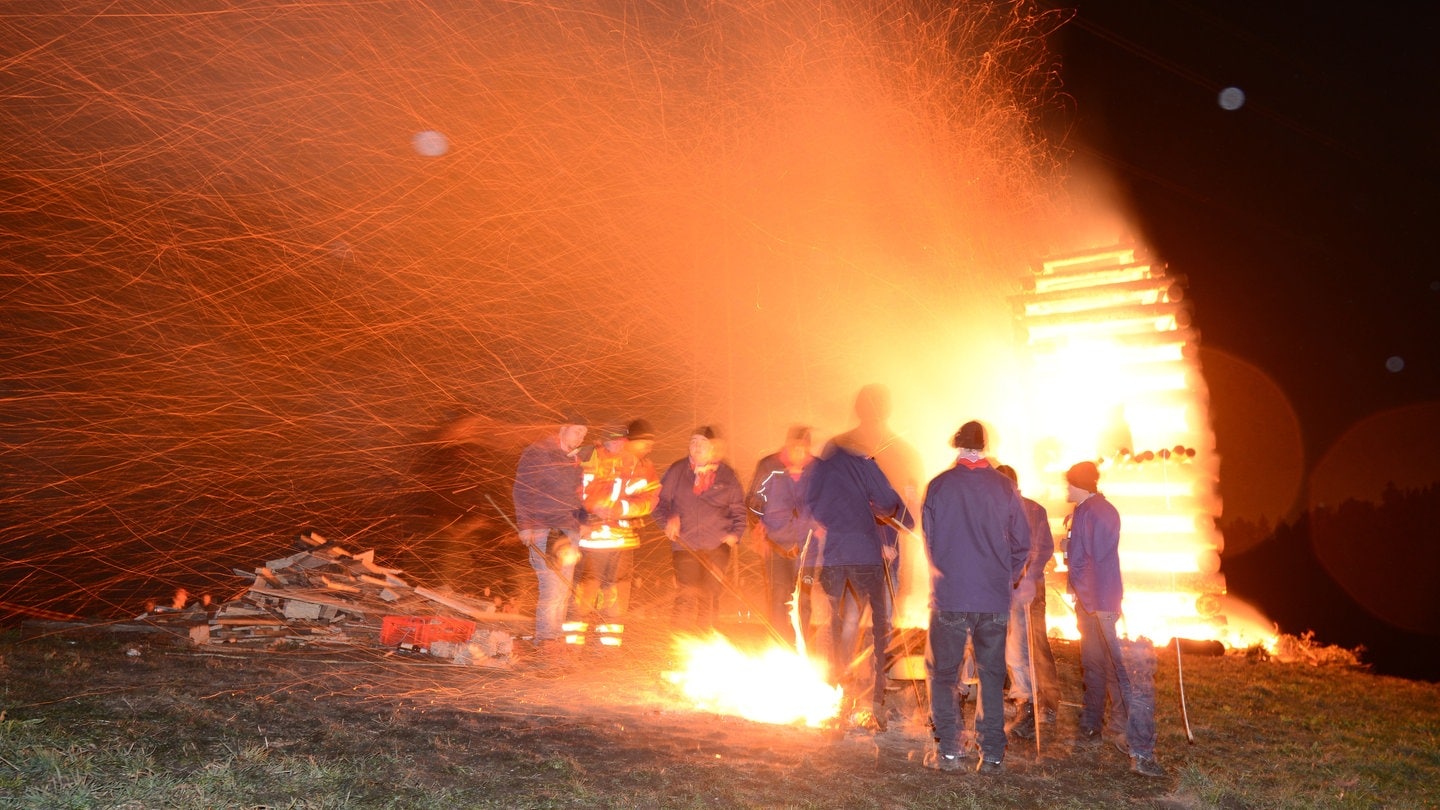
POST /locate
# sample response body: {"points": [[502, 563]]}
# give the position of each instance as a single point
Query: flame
{"points": [[775, 685], [1108, 334]]}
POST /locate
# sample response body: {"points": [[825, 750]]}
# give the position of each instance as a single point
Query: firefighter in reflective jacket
{"points": [[620, 489]]}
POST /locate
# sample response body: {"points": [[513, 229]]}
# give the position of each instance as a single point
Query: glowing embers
{"points": [[774, 685]]}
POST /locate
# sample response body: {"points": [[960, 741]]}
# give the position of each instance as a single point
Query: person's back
{"points": [[978, 541], [977, 536], [847, 492]]}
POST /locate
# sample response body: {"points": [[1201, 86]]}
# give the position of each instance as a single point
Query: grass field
{"points": [[106, 722]]}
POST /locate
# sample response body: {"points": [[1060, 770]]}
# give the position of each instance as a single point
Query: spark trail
{"points": [[329, 265]]}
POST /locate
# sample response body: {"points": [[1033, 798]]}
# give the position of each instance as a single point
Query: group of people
{"points": [[578, 509], [834, 520], [987, 547]]}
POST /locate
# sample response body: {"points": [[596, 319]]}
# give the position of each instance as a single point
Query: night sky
{"points": [[1303, 220]]}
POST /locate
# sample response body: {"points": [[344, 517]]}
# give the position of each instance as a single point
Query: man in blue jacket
{"points": [[978, 541], [786, 539], [1093, 557], [547, 512], [849, 497], [702, 507]]}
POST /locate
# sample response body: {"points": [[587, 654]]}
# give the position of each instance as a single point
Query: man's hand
{"points": [[730, 540], [672, 528], [889, 553]]}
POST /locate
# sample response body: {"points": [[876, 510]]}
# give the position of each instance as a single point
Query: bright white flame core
{"points": [[776, 685], [1113, 379]]}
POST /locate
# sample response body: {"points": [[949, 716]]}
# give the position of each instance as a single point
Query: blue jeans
{"points": [[1047, 676], [944, 653], [848, 589], [1107, 675], [1139, 660], [1017, 643], [553, 576]]}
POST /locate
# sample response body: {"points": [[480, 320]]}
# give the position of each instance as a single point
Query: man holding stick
{"points": [[548, 510]]}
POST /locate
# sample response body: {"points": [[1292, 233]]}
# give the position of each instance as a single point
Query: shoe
{"points": [[1146, 766], [943, 762], [1088, 736], [1121, 744], [1023, 725], [990, 766]]}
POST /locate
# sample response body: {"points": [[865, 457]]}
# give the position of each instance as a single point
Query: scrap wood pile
{"points": [[324, 594]]}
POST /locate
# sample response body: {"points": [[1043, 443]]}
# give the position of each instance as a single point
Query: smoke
{"points": [[260, 259]]}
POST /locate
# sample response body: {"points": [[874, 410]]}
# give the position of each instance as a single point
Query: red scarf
{"points": [[704, 477]]}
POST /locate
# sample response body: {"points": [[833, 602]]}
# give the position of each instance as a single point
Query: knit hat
{"points": [[1084, 475], [639, 430], [970, 436]]}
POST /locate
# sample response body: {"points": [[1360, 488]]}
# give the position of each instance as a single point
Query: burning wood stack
{"points": [[324, 594], [1110, 334]]}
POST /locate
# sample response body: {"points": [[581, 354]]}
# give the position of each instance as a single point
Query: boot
{"points": [[1023, 724]]}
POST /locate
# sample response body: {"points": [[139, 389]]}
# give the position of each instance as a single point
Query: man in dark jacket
{"points": [[702, 507], [1034, 681], [849, 497], [1093, 557], [547, 497], [978, 542], [785, 533]]}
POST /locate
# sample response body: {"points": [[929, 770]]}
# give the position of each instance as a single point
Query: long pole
{"points": [[1180, 673], [894, 596], [1034, 684], [545, 555], [800, 627]]}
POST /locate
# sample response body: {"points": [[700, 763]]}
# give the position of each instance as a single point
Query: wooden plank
{"points": [[474, 610], [313, 596], [258, 620], [35, 627]]}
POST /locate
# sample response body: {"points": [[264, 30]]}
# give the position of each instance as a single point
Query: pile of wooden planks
{"points": [[324, 594]]}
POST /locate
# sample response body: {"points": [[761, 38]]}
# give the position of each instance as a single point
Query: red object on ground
{"points": [[422, 631]]}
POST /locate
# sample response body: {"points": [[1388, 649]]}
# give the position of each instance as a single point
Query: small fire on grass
{"points": [[776, 685]]}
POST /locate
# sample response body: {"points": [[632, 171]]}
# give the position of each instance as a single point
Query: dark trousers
{"points": [[944, 653], [782, 586], [699, 581], [849, 589], [1047, 677], [1107, 685], [602, 583]]}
